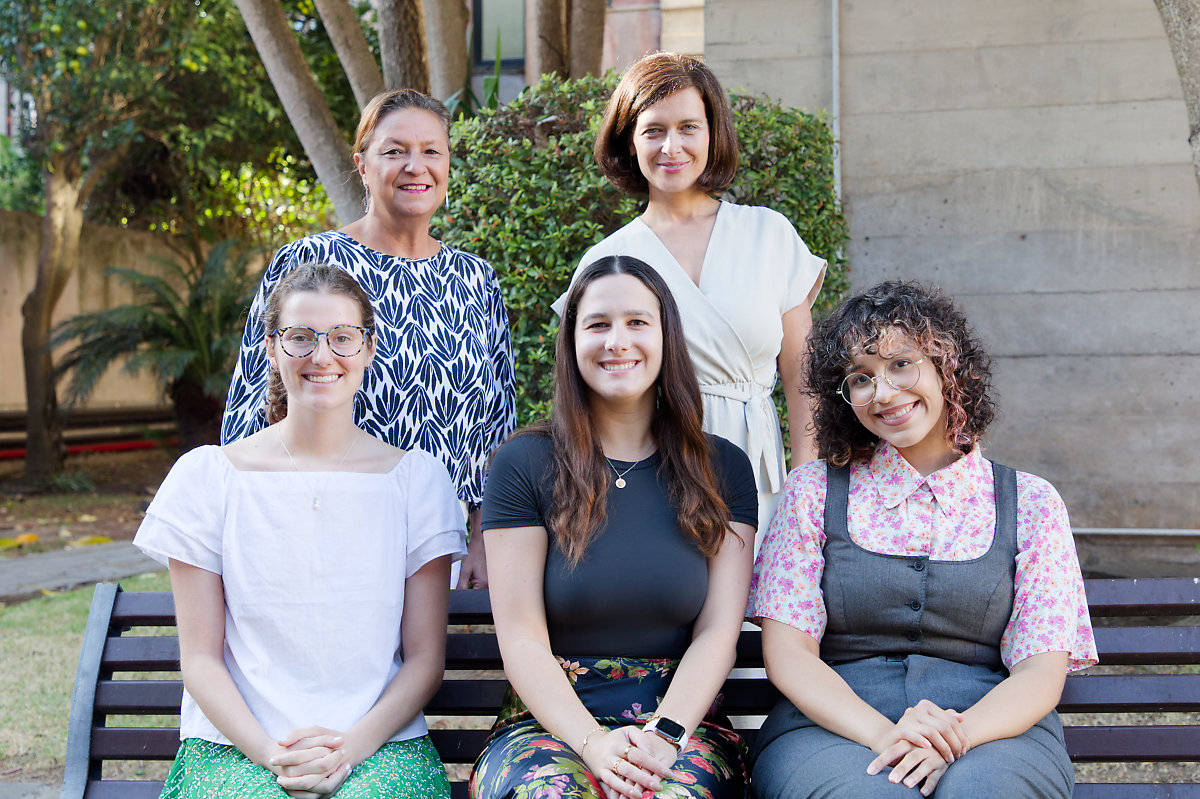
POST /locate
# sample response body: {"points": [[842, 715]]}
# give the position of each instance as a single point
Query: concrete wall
{"points": [[633, 28], [1031, 158], [88, 290]]}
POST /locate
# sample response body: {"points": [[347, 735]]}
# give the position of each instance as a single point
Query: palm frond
{"points": [[185, 323]]}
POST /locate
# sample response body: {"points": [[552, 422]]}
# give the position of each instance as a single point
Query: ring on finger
{"points": [[616, 763], [625, 754]]}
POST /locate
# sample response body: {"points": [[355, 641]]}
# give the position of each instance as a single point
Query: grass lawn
{"points": [[39, 647]]}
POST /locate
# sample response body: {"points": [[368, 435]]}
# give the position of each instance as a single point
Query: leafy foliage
{"points": [[216, 160], [184, 326], [91, 66], [20, 179], [527, 195]]}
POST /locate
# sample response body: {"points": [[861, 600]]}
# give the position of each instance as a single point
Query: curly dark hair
{"points": [[866, 321]]}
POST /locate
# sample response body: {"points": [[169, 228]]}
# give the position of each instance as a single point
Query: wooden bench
{"points": [[1139, 623]]}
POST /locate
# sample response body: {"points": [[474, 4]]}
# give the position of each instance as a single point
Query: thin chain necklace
{"points": [[316, 503], [620, 481]]}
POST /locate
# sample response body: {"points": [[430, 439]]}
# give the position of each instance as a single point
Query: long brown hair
{"points": [[582, 475], [312, 276], [650, 80]]}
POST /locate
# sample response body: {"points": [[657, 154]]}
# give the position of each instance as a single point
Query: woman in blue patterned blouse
{"points": [[442, 379]]}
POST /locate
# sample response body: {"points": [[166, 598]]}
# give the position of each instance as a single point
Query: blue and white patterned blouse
{"points": [[442, 380]]}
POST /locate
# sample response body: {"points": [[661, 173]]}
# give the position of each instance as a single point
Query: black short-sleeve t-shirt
{"points": [[642, 583]]}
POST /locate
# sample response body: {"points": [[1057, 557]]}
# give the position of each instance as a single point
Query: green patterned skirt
{"points": [[408, 769]]}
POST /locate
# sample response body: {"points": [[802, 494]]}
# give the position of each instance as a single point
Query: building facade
{"points": [[1030, 158]]}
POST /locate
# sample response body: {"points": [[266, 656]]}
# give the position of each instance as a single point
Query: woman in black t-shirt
{"points": [[619, 538]]}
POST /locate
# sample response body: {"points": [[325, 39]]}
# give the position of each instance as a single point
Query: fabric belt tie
{"points": [[762, 429]]}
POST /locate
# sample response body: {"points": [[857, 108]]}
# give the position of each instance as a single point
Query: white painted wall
{"points": [[1031, 158]]}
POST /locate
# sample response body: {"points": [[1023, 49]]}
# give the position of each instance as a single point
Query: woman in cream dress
{"points": [[743, 279]]}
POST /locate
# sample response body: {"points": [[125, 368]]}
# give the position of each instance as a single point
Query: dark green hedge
{"points": [[527, 196]]}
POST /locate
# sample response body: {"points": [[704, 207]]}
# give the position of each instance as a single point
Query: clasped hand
{"points": [[310, 763], [921, 746], [629, 762]]}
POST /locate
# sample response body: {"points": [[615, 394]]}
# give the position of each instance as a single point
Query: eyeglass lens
{"points": [[300, 342], [901, 373]]}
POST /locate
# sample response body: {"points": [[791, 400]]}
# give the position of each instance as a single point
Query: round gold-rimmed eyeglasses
{"points": [[901, 373], [344, 341]]}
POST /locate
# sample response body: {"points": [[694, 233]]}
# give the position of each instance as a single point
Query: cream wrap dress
{"points": [[755, 270]]}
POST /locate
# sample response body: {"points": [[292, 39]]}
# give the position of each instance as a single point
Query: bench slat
{"points": [[141, 653], [1145, 743], [1117, 646], [467, 698], [144, 609], [1138, 791], [139, 697], [473, 651], [134, 743], [123, 789], [1174, 596], [470, 606], [1142, 693], [1144, 646], [459, 746]]}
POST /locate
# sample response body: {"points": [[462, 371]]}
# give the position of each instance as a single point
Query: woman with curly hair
{"points": [[920, 605], [620, 538]]}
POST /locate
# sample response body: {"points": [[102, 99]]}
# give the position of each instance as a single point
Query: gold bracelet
{"points": [[589, 735]]}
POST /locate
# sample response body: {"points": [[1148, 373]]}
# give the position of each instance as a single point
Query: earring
{"points": [[446, 200]]}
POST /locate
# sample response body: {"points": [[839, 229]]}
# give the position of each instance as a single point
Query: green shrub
{"points": [[527, 196]]}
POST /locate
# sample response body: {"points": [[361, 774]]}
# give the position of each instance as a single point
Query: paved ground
{"points": [[29, 790], [26, 576]]}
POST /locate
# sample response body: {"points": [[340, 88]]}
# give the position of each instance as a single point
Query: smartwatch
{"points": [[670, 731]]}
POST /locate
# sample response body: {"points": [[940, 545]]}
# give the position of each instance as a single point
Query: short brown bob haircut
{"points": [[652, 79]]}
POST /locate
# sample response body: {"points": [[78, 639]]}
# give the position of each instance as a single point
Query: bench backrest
{"points": [[1139, 623]]}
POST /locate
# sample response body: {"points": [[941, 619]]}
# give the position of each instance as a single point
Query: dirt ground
{"points": [[101, 495]]}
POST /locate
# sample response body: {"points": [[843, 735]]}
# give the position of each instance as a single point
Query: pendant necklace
{"points": [[316, 503], [620, 481]]}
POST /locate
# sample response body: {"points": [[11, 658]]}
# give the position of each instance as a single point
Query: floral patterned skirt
{"points": [[523, 761]]}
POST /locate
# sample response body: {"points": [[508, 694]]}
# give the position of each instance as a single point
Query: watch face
{"points": [[669, 728]]}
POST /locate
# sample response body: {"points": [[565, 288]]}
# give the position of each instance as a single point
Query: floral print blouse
{"points": [[948, 515]]}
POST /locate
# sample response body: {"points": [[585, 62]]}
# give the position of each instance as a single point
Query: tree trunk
{"points": [[446, 35], [402, 45], [58, 258], [547, 49], [587, 36], [197, 415], [358, 62], [1181, 18], [305, 107]]}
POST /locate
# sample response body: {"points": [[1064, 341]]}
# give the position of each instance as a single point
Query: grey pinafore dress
{"points": [[902, 629]]}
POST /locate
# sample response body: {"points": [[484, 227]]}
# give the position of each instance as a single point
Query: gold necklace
{"points": [[316, 503]]}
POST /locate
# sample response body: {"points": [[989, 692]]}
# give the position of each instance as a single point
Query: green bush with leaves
{"points": [[527, 195]]}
